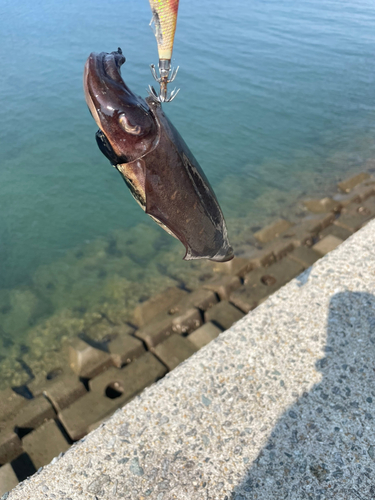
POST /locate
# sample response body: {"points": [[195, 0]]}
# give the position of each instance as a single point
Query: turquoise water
{"points": [[277, 99]]}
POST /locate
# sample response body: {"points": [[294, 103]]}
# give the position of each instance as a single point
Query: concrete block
{"points": [[63, 391], [10, 444], [109, 391], [183, 317], [45, 443], [304, 256], [327, 244], [257, 258], [253, 257], [300, 234], [10, 404], [279, 274], [365, 190], [8, 479], [101, 331], [369, 203], [248, 297], [77, 418], [322, 205], [261, 283], [38, 384], [124, 349], [165, 324], [123, 329], [204, 335], [303, 233], [174, 350], [201, 299], [223, 314], [347, 199], [280, 247], [223, 285], [238, 266], [188, 321], [347, 185], [160, 303], [155, 332], [335, 230], [87, 361], [351, 222], [272, 231], [320, 222], [357, 208], [131, 379], [355, 215], [37, 411]]}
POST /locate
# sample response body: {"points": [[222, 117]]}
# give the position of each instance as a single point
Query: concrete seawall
{"points": [[281, 405]]}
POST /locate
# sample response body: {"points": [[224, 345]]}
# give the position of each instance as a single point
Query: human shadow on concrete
{"points": [[323, 446]]}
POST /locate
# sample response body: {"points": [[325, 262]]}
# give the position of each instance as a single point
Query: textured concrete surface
{"points": [[282, 405]]}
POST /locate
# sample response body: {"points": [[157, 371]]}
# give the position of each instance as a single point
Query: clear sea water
{"points": [[276, 102]]}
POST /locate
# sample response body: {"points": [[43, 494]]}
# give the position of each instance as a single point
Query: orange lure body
{"points": [[164, 14]]}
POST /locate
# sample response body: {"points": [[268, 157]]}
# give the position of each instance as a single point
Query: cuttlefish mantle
{"points": [[158, 167]]}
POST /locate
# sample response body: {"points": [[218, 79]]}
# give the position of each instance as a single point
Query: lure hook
{"points": [[166, 75]]}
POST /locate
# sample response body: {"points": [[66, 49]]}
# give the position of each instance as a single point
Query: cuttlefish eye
{"points": [[128, 127]]}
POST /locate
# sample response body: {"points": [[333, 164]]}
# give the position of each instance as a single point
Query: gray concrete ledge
{"points": [[282, 405]]}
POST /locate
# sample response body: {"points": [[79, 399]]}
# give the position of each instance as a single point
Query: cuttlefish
{"points": [[155, 162]]}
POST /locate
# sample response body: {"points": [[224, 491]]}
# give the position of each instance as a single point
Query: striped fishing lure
{"points": [[164, 18]]}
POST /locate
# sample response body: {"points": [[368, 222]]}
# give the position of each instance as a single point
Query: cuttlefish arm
{"points": [[155, 162]]}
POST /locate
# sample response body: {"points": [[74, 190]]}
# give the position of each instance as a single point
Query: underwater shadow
{"points": [[324, 445]]}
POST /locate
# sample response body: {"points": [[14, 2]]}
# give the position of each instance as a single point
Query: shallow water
{"points": [[277, 100]]}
